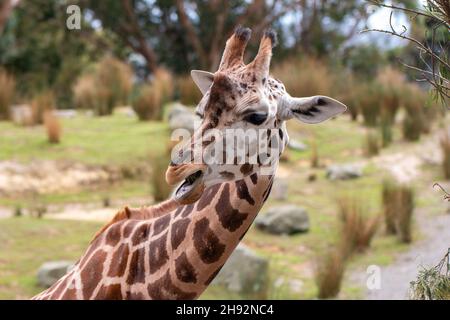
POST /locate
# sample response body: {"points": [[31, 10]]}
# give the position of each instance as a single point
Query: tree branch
{"points": [[190, 30], [134, 30]]}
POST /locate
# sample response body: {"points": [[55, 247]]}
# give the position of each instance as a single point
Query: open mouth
{"points": [[189, 184]]}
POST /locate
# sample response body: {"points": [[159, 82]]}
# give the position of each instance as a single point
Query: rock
{"points": [[286, 219], [344, 172], [181, 117], [245, 273], [22, 114], [279, 189], [66, 114], [297, 145], [50, 272]]}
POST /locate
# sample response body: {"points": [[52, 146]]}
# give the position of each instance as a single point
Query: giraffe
{"points": [[175, 249]]}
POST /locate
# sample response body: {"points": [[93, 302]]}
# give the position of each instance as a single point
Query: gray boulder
{"points": [[50, 272], [181, 117], [343, 172], [21, 114], [297, 145], [286, 219], [279, 189], [245, 273]]}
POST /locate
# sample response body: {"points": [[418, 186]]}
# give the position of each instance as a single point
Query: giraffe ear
{"points": [[203, 79], [313, 109]]}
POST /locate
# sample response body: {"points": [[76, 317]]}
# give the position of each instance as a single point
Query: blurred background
{"points": [[90, 93]]}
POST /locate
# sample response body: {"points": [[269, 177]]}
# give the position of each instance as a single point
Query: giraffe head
{"points": [[243, 112]]}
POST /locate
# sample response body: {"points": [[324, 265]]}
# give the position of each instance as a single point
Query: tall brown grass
{"points": [[7, 91], [368, 101], [405, 214], [372, 143], [163, 79], [52, 126], [414, 102], [445, 147], [148, 102], [188, 92], [106, 86], [42, 102], [314, 159], [398, 203], [357, 227], [389, 206], [329, 273], [305, 77]]}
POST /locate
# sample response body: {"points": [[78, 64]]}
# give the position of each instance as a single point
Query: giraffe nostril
{"points": [[321, 102]]}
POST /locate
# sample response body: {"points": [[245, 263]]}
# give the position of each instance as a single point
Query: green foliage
{"points": [[432, 283], [42, 53]]}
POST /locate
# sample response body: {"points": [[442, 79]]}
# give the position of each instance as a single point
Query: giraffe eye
{"points": [[256, 118]]}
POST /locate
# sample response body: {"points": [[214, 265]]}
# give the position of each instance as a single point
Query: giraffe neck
{"points": [[174, 256]]}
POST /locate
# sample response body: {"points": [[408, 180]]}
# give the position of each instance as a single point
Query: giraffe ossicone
{"points": [[173, 250]]}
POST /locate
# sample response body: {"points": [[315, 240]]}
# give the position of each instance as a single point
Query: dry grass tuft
{"points": [[372, 146], [42, 102], [398, 203], [188, 91], [53, 127], [148, 102], [358, 229], [329, 273], [7, 90], [107, 86], [305, 77]]}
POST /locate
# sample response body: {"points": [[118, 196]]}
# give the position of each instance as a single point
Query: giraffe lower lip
{"points": [[189, 184]]}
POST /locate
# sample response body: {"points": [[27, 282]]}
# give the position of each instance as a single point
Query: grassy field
{"points": [[117, 140], [25, 242]]}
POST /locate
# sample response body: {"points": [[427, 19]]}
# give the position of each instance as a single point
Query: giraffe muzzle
{"points": [[191, 188]]}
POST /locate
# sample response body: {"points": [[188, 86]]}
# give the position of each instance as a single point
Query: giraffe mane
{"points": [[143, 213]]}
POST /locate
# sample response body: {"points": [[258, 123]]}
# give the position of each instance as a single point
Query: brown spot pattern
{"points": [[91, 275], [141, 234], [242, 191], [178, 232], [207, 244], [158, 253], [184, 269], [119, 261], [207, 197], [111, 292], [230, 218], [164, 289], [161, 224], [136, 273]]}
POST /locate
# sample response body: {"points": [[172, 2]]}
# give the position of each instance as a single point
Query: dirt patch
{"points": [[44, 177]]}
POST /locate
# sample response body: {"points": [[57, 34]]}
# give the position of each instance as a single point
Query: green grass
{"points": [[26, 243], [119, 140], [127, 189], [116, 140]]}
